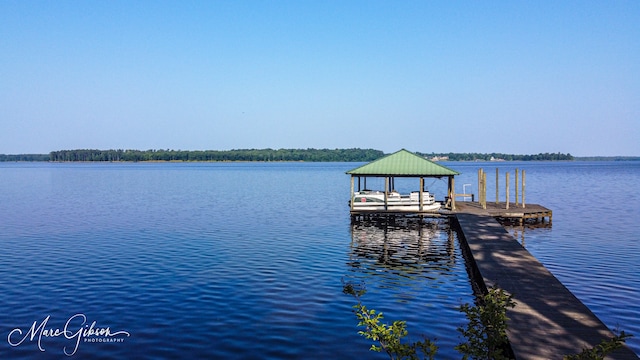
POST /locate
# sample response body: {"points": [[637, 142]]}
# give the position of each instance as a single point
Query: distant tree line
{"points": [[608, 158], [24, 157], [499, 156], [311, 155]]}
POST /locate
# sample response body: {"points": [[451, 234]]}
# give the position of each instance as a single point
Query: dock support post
{"points": [[497, 187], [386, 191], [523, 189], [351, 194], [507, 193], [452, 192], [484, 190], [480, 186], [516, 187], [420, 193]]}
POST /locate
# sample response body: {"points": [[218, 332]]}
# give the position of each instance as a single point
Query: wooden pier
{"points": [[548, 321], [512, 213]]}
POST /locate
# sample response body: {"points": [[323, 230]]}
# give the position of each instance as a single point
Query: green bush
{"points": [[601, 350], [485, 333], [389, 337]]}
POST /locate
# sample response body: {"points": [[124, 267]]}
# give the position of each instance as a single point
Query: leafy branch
{"points": [[486, 332], [601, 350], [389, 337]]}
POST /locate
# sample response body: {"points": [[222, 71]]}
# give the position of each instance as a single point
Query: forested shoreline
{"points": [[497, 157], [265, 155], [260, 155], [24, 157]]}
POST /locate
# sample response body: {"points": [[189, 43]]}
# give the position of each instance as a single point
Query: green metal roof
{"points": [[402, 163]]}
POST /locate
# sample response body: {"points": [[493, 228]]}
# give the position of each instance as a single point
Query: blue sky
{"points": [[516, 77]]}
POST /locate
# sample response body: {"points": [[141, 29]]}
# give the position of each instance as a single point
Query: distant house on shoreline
{"points": [[440, 158]]}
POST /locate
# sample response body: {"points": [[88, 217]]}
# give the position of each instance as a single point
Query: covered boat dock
{"points": [[403, 164]]}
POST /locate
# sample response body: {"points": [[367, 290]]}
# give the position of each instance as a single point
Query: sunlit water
{"points": [[210, 261]]}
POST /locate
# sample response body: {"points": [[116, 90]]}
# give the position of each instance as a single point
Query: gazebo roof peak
{"points": [[402, 163]]}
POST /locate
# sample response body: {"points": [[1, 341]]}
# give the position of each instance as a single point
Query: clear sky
{"points": [[518, 77]]}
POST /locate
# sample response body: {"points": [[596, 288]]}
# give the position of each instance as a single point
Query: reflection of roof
{"points": [[402, 163]]}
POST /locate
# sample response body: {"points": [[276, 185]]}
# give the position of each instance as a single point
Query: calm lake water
{"points": [[248, 260]]}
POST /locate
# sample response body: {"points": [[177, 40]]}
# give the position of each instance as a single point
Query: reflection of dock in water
{"points": [[427, 248]]}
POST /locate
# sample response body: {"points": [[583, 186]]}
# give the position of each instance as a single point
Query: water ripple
{"points": [[248, 260]]}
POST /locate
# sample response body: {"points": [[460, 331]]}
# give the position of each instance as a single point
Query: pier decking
{"points": [[548, 321], [515, 213]]}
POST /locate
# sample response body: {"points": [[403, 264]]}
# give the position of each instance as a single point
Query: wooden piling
{"points": [[497, 186], [516, 187], [386, 192], [507, 194], [420, 193], [484, 189], [480, 185], [522, 188], [452, 192], [351, 194]]}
